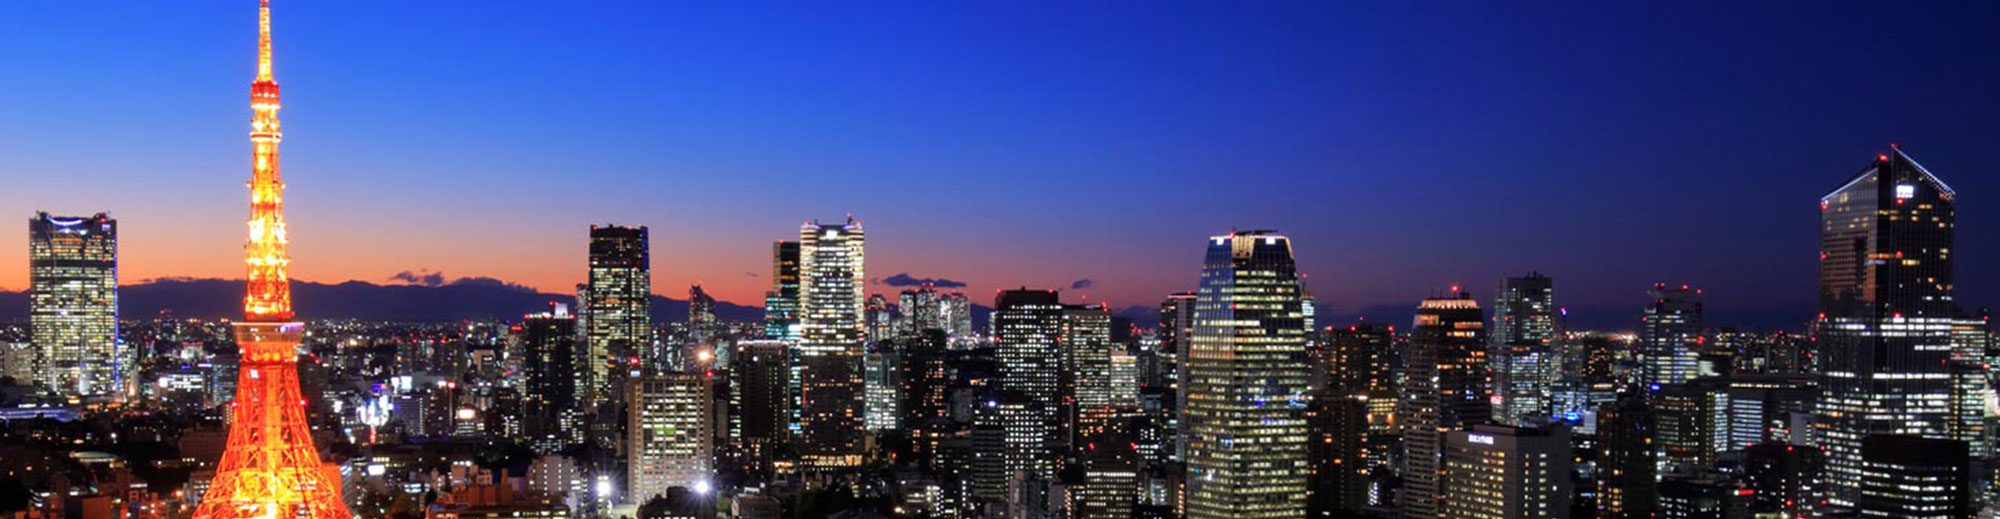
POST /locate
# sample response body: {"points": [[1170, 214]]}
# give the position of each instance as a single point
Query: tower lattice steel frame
{"points": [[270, 469]]}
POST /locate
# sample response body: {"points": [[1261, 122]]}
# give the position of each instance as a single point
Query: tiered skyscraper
{"points": [[1524, 349], [270, 467], [1884, 332], [831, 290], [1447, 391], [1246, 382], [73, 306]]}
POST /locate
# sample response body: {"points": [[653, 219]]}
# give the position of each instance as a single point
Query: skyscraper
{"points": [[1524, 349], [1447, 391], [270, 467], [670, 436], [1027, 335], [1912, 477], [1176, 332], [1670, 335], [551, 393], [1085, 381], [616, 311], [73, 306], [832, 279], [1500, 472], [759, 378], [702, 322], [1626, 464], [1886, 313], [1246, 382], [781, 304], [921, 309]]}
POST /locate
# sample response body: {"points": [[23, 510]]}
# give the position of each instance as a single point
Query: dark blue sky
{"points": [[1404, 146]]}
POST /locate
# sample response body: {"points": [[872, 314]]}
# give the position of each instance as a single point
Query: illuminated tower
{"points": [[830, 343], [1447, 391], [1886, 316], [73, 306], [1246, 382], [1524, 349], [270, 468]]}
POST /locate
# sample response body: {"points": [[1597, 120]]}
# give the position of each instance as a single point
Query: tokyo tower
{"points": [[270, 469]]}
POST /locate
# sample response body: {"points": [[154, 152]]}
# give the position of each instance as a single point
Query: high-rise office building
{"points": [[921, 309], [551, 393], [702, 323], [73, 306], [1246, 382], [1971, 384], [926, 387], [1337, 445], [1028, 328], [1779, 477], [831, 332], [1107, 482], [1886, 309], [1447, 391], [1670, 336], [670, 440], [781, 304], [1176, 332], [1684, 434], [616, 305], [1524, 353], [1500, 472], [1352, 418], [882, 381], [1085, 378], [1913, 477], [1626, 461], [759, 378], [880, 317], [956, 310]]}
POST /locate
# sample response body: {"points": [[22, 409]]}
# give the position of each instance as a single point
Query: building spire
{"points": [[269, 297], [264, 40]]}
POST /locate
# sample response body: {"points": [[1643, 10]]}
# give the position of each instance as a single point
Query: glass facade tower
{"points": [[73, 306], [1247, 379], [1885, 327]]}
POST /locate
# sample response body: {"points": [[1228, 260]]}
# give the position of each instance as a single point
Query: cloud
{"points": [[1081, 284], [753, 274], [483, 281], [425, 277], [905, 280]]}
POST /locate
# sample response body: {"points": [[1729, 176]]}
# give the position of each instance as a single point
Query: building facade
{"points": [[1247, 377], [1886, 313], [831, 333], [1447, 391], [73, 306]]}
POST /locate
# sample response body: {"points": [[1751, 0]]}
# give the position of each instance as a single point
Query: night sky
{"points": [[1405, 148]]}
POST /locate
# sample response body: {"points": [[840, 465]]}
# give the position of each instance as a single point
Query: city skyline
{"points": [[1256, 395], [1365, 241]]}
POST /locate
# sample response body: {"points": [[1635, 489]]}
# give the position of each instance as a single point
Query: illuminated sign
{"points": [[1480, 439], [1905, 191]]}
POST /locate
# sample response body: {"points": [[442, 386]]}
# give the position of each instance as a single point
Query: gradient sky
{"points": [[1405, 146]]}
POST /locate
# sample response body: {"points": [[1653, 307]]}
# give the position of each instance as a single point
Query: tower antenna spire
{"points": [[264, 40]]}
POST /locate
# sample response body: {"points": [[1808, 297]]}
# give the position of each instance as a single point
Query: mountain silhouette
{"points": [[471, 298]]}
